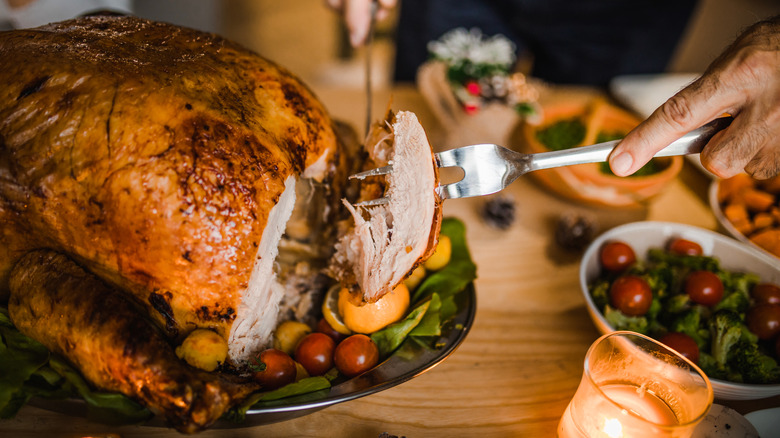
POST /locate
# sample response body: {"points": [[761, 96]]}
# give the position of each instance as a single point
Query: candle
{"points": [[634, 386]]}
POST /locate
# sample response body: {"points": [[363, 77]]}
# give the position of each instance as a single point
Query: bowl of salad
{"points": [[712, 298], [580, 122]]}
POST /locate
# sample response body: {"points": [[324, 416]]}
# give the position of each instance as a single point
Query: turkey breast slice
{"points": [[389, 241], [256, 316]]}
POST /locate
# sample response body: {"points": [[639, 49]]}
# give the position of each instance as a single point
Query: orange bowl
{"points": [[586, 183]]}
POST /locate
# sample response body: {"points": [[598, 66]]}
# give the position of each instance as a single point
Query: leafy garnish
{"points": [[309, 385], [106, 407], [27, 369], [390, 337], [458, 273], [20, 358]]}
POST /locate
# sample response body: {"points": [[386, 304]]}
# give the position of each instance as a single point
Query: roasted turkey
{"points": [[175, 180]]}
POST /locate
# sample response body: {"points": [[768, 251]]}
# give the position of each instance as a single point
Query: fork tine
{"points": [[447, 158], [378, 201], [373, 172]]}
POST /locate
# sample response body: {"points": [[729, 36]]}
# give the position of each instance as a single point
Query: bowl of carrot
{"points": [[749, 210]]}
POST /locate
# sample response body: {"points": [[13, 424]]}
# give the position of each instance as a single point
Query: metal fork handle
{"points": [[690, 143]]}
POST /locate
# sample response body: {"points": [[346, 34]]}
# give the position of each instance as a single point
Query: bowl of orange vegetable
{"points": [[580, 122], [749, 210]]}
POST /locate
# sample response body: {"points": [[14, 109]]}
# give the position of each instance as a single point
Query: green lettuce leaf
{"points": [[106, 407], [458, 273], [390, 337], [20, 358]]}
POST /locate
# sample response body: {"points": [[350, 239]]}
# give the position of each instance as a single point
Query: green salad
{"points": [[727, 322], [28, 369]]}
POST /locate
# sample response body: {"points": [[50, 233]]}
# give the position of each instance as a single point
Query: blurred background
{"points": [[309, 39]]}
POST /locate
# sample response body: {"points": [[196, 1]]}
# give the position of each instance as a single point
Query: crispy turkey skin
{"points": [[78, 317], [156, 179], [155, 155]]}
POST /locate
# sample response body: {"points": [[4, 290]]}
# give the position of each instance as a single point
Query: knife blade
{"points": [[369, 43]]}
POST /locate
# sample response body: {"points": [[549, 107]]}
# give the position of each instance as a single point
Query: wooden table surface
{"points": [[522, 360]]}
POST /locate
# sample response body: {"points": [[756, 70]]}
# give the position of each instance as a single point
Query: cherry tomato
{"points": [[766, 293], [315, 353], [764, 320], [617, 256], [631, 295], [704, 287], [355, 355], [274, 368], [685, 247], [683, 344], [324, 327]]}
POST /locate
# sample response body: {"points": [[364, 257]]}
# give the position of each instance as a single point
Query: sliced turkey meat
{"points": [[388, 241]]}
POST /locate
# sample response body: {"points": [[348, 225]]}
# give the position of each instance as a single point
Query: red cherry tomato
{"points": [[617, 256], [683, 344], [766, 293], [355, 355], [274, 368], [315, 353], [704, 287], [324, 327], [631, 295], [685, 247], [764, 320]]}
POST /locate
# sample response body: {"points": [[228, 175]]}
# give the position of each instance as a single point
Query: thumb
{"points": [[689, 109]]}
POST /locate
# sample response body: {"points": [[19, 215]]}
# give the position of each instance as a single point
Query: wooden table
{"points": [[522, 361]]}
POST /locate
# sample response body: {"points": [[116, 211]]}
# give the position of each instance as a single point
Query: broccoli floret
{"points": [[690, 323], [726, 333], [739, 281], [735, 301], [753, 365], [678, 303], [600, 293], [697, 263], [710, 367], [621, 321], [737, 288]]}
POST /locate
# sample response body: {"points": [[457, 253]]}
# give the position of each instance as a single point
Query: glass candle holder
{"points": [[634, 386]]}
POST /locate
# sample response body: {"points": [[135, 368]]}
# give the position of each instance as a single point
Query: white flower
{"points": [[459, 45]]}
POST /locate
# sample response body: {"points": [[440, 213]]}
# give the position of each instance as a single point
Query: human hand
{"points": [[744, 82], [357, 16]]}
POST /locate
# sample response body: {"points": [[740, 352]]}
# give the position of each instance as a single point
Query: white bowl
{"points": [[733, 255], [725, 223]]}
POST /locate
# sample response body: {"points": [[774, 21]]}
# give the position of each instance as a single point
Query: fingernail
{"points": [[621, 163]]}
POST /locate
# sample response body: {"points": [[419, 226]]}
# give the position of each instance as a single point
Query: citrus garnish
{"points": [[370, 317], [330, 311]]}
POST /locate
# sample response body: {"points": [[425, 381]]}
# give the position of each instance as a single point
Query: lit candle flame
{"points": [[613, 428]]}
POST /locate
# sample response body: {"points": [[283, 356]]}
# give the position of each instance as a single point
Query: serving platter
{"points": [[409, 361]]}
